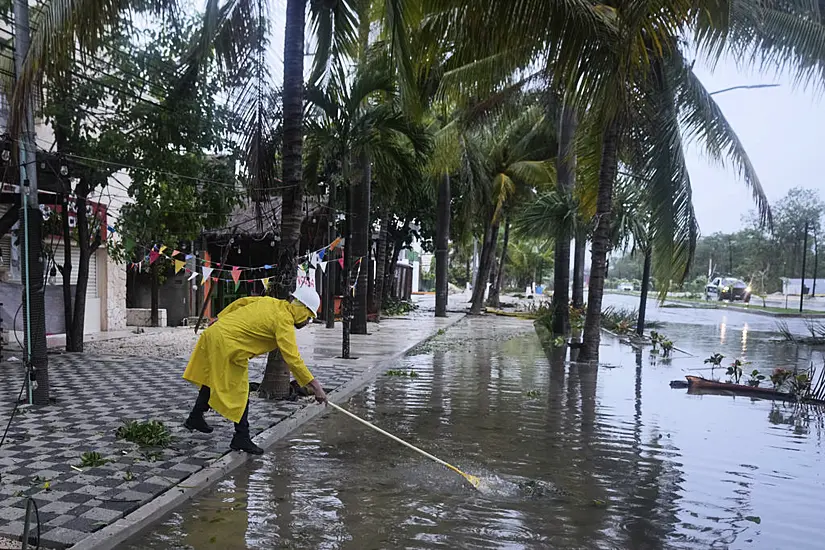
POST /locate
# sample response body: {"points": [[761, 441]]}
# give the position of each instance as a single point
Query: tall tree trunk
{"points": [[154, 293], [276, 377], [566, 170], [600, 243], [380, 266], [86, 248], [66, 270], [640, 326], [494, 300], [360, 245], [442, 251], [578, 269], [488, 258]]}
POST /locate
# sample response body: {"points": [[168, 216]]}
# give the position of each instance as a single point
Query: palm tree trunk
{"points": [[566, 169], [578, 270], [494, 300], [360, 245], [276, 378], [380, 266], [640, 327], [600, 243], [488, 256], [442, 251]]}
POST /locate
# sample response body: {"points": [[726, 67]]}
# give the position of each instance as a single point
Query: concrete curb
{"points": [[123, 529]]}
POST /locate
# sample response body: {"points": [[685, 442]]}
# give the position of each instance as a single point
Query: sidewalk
{"points": [[137, 378]]}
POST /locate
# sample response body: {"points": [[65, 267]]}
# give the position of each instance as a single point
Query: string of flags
{"points": [[212, 270]]}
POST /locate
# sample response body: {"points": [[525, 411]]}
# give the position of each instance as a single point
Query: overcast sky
{"points": [[783, 130]]}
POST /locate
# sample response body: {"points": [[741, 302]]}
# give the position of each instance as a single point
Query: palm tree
{"points": [[566, 170]]}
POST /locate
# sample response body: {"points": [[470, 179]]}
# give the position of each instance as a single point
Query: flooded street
{"points": [[572, 456]]}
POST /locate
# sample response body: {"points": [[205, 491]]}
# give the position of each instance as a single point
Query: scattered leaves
{"points": [[92, 459], [151, 433]]}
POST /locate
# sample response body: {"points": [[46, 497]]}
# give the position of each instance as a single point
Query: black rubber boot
{"points": [[244, 443], [197, 422]]}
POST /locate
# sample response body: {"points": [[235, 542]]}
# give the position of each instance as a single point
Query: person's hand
{"points": [[320, 394]]}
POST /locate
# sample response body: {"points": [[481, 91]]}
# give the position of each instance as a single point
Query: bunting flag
{"points": [[236, 275], [267, 266], [179, 265], [341, 262], [335, 243], [189, 257], [153, 255], [323, 266], [194, 274], [110, 229], [175, 253], [265, 282], [321, 253], [207, 271], [162, 248]]}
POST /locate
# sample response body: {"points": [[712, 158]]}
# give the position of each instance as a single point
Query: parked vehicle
{"points": [[625, 287], [728, 288]]}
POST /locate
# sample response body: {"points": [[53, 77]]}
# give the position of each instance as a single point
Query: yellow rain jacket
{"points": [[246, 328]]}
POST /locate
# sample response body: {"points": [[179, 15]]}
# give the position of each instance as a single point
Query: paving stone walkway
{"points": [[96, 393]]}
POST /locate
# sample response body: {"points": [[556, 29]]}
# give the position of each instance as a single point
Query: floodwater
{"points": [[572, 456]]}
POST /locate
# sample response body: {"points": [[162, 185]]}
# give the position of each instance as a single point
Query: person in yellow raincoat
{"points": [[220, 363]]}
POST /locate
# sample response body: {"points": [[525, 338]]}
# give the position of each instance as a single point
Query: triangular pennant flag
{"points": [[237, 284], [153, 255], [110, 229], [189, 256], [341, 262], [175, 252], [335, 243], [321, 253], [267, 266], [194, 274], [236, 275], [207, 271], [265, 282], [214, 279], [139, 266], [179, 265], [162, 248], [323, 266]]}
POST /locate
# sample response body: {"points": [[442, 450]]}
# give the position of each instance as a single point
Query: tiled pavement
{"points": [[95, 394]]}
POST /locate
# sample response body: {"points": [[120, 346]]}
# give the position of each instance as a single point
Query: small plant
{"points": [[151, 433], [779, 376], [128, 476], [667, 348], [558, 342], [533, 394], [576, 318], [393, 307], [411, 374], [735, 370], [715, 361], [92, 459], [755, 379], [800, 385]]}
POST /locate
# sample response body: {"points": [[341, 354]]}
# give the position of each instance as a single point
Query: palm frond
{"points": [[335, 28], [704, 121]]}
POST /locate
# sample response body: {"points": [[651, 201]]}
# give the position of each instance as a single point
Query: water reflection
{"points": [[745, 339], [630, 463]]}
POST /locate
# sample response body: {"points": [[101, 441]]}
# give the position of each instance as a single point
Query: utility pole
{"points": [[804, 258], [34, 305], [816, 264], [329, 287]]}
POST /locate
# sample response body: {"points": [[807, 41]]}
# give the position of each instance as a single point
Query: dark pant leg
{"points": [[242, 427], [202, 402]]}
